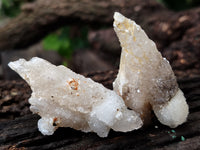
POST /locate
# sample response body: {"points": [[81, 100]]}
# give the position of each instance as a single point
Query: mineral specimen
{"points": [[65, 99], [145, 79]]}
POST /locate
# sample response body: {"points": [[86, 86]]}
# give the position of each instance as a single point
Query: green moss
{"points": [[173, 131], [173, 136], [182, 138], [61, 41]]}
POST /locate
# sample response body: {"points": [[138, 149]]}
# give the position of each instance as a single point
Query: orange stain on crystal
{"points": [[73, 84]]}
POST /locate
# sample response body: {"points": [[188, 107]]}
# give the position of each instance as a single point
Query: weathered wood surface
{"points": [[22, 133]]}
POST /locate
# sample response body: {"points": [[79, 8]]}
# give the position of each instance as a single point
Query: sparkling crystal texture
{"points": [[65, 99], [145, 79]]}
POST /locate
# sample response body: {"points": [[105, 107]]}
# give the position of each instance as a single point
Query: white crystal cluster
{"points": [[145, 79], [145, 82], [65, 99]]}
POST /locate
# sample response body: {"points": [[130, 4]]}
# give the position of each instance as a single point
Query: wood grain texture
{"points": [[23, 133]]}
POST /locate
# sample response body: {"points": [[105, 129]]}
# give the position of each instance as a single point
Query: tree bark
{"points": [[41, 17], [22, 133]]}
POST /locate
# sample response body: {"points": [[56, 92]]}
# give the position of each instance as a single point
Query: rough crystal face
{"points": [[65, 99], [145, 79]]}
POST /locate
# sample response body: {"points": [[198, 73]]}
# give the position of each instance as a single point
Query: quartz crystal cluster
{"points": [[65, 99], [145, 82]]}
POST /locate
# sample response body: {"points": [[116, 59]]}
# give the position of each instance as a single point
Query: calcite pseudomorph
{"points": [[145, 79], [65, 99]]}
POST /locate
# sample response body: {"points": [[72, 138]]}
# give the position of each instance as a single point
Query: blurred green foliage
{"points": [[10, 8], [178, 5], [63, 43]]}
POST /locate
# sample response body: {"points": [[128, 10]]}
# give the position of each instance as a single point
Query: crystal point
{"points": [[145, 80]]}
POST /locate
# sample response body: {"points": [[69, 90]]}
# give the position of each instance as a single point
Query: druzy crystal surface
{"points": [[145, 80], [65, 99]]}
